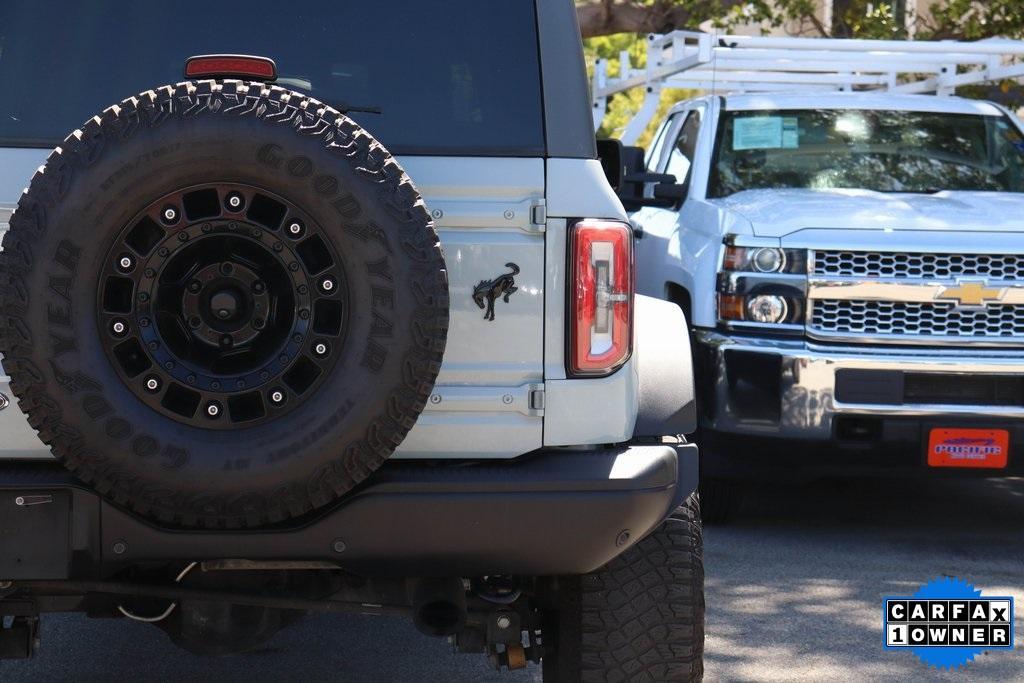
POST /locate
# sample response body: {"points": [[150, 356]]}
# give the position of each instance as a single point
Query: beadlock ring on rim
{"points": [[216, 312]]}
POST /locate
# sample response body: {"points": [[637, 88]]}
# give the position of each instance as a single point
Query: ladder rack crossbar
{"points": [[733, 63]]}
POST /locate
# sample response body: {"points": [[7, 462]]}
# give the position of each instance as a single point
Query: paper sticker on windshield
{"points": [[764, 132], [790, 133]]}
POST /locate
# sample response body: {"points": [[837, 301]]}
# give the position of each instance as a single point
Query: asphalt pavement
{"points": [[794, 592]]}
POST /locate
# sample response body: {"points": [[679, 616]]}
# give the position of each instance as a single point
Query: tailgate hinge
{"points": [[536, 398], [538, 215], [526, 399]]}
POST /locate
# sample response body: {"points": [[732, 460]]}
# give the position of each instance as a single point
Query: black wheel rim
{"points": [[222, 305]]}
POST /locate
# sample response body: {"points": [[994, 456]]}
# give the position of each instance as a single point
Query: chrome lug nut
{"points": [[295, 228], [213, 409], [152, 384], [235, 201], [170, 214], [327, 284], [320, 349], [125, 262], [277, 397], [119, 327]]}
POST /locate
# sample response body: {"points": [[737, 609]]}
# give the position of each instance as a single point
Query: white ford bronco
{"points": [[344, 320], [852, 263]]}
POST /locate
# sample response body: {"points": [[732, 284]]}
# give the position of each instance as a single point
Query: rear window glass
{"points": [[457, 77]]}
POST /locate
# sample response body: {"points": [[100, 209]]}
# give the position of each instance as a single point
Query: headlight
{"points": [[763, 309], [764, 260], [763, 286], [767, 308], [768, 260]]}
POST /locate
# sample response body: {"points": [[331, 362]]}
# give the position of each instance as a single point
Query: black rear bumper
{"points": [[553, 512]]}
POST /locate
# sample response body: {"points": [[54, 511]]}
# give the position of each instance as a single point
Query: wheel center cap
{"points": [[224, 305]]}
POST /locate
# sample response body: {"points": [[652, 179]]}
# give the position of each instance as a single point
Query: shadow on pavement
{"points": [[795, 584]]}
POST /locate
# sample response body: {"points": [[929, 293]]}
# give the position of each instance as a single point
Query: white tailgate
{"points": [[481, 406], [484, 208]]}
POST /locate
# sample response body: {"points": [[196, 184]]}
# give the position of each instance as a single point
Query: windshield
{"points": [[460, 77], [885, 151]]}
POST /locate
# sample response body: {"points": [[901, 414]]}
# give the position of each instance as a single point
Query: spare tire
{"points": [[224, 304]]}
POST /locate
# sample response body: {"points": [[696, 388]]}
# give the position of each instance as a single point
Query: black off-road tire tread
{"points": [[641, 617], [227, 98]]}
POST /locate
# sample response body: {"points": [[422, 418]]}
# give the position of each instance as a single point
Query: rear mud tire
{"points": [[639, 618]]}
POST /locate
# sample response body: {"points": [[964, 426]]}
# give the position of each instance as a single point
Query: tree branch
{"points": [[602, 17]]}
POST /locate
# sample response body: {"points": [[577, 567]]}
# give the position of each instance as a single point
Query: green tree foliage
{"points": [[622, 106]]}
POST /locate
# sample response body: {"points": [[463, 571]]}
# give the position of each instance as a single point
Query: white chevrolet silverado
{"points": [[852, 264], [343, 320]]}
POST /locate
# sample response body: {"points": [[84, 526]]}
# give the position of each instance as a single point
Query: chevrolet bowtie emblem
{"points": [[970, 294]]}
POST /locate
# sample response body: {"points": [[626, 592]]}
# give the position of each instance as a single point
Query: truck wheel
{"points": [[224, 304], [641, 617], [719, 500]]}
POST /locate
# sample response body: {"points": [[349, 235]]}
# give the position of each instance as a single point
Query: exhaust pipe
{"points": [[439, 606]]}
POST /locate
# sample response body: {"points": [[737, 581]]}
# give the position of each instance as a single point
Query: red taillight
{"points": [[231, 66], [601, 297]]}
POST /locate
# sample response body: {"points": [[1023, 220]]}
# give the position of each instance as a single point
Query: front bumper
{"points": [[553, 512], [796, 394]]}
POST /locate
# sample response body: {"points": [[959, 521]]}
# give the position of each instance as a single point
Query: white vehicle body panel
{"points": [[580, 410], [859, 100], [499, 377], [775, 213]]}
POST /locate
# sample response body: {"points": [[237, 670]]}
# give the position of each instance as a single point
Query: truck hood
{"points": [[776, 213]]}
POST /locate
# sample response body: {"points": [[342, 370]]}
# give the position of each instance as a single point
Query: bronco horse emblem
{"points": [[502, 286]]}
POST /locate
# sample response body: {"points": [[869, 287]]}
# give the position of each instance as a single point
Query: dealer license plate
{"points": [[968, 447]]}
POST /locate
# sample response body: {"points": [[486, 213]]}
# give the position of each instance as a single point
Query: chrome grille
{"points": [[892, 318], [927, 266]]}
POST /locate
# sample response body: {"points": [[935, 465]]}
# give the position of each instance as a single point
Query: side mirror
{"points": [[633, 189], [610, 154], [676, 192]]}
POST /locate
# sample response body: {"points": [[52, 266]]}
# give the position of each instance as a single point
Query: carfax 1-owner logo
{"points": [[947, 622]]}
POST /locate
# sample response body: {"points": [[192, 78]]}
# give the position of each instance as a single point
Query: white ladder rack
{"points": [[734, 63]]}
